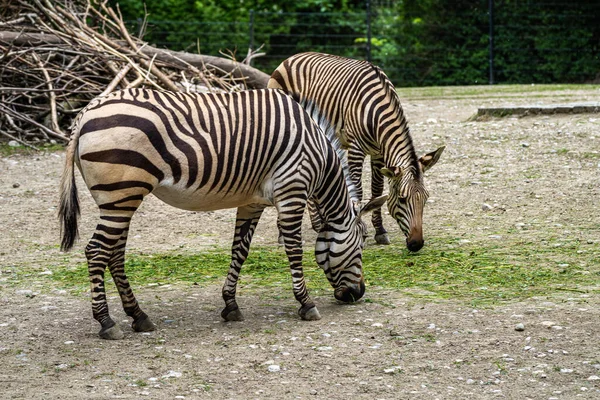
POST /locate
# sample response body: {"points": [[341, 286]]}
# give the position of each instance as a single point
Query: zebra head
{"points": [[338, 252], [408, 196]]}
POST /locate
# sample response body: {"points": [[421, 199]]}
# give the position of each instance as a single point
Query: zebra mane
{"points": [[394, 98], [328, 129]]}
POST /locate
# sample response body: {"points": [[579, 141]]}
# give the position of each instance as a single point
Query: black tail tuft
{"points": [[68, 214]]}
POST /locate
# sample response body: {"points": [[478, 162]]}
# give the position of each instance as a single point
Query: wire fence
{"points": [[501, 42]]}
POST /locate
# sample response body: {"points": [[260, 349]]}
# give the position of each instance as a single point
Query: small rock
{"points": [[69, 342], [274, 368], [313, 392], [594, 378], [486, 207], [525, 144], [13, 143], [519, 327], [324, 348], [566, 371], [16, 185], [172, 374], [548, 324]]}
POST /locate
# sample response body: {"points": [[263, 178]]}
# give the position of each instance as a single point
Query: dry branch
{"points": [[53, 62]]}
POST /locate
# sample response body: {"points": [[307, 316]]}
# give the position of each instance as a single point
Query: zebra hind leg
{"points": [[316, 219], [107, 249], [116, 265], [381, 235], [246, 220]]}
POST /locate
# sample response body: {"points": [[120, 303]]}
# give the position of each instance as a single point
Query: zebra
{"points": [[201, 152], [359, 99]]}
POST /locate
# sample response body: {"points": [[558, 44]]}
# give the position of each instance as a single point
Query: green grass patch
{"points": [[457, 92], [443, 269], [6, 150]]}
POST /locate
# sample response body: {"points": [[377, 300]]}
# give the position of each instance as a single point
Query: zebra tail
{"points": [[69, 209]]}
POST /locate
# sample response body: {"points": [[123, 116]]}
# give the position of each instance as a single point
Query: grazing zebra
{"points": [[362, 103], [205, 152]]}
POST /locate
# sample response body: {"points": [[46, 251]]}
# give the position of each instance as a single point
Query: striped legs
{"points": [[381, 236], [107, 249], [245, 224], [316, 221], [290, 217]]}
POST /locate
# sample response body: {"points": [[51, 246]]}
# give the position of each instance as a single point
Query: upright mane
{"points": [[394, 99], [328, 129]]}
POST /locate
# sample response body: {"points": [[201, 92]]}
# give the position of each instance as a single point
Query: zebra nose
{"points": [[414, 245], [350, 294]]}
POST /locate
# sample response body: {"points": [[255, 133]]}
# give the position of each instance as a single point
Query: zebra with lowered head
{"points": [[205, 152], [362, 103]]}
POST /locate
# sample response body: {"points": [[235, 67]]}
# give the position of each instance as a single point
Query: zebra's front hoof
{"points": [[143, 325], [112, 333], [382, 238], [309, 314], [232, 315]]}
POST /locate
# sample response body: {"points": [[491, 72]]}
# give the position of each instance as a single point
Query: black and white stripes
{"points": [[203, 152], [361, 102]]}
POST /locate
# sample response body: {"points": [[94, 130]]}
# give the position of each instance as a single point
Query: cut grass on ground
{"points": [[477, 274]]}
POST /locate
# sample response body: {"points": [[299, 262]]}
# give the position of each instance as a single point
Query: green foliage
{"points": [[417, 43]]}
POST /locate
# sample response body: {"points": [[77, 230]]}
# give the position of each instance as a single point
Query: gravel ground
{"points": [[541, 172]]}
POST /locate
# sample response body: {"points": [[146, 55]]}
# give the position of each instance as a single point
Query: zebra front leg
{"points": [[291, 226], [381, 235], [245, 224]]}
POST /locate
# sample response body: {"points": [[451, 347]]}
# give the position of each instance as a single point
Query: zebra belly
{"points": [[204, 200]]}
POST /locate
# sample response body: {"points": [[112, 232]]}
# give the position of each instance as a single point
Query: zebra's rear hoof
{"points": [[232, 315], [312, 314], [143, 325], [382, 238], [112, 333]]}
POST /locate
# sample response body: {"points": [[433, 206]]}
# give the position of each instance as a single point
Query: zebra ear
{"points": [[373, 204], [429, 159], [391, 173]]}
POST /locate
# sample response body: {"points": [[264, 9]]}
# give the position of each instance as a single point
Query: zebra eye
{"points": [[402, 200]]}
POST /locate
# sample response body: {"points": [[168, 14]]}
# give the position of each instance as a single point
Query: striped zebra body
{"points": [[362, 104], [204, 152]]}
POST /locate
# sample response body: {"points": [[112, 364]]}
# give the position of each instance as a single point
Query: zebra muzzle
{"points": [[350, 294]]}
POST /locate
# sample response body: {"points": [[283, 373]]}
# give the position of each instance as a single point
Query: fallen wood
{"points": [[53, 61], [254, 78]]}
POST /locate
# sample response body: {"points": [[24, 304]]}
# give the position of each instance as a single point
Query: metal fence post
{"points": [[251, 27], [368, 30], [491, 14]]}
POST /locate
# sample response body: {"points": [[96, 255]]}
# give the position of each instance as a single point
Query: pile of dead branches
{"points": [[56, 56]]}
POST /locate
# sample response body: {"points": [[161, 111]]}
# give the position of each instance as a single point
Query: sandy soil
{"points": [[541, 172]]}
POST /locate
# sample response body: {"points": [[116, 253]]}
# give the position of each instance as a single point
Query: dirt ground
{"points": [[541, 172]]}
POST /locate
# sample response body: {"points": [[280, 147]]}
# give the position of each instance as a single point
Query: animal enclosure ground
{"points": [[523, 191]]}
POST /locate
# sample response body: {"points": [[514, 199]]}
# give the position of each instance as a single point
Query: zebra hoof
{"points": [[143, 325], [312, 314], [382, 238], [232, 315], [280, 240], [112, 333]]}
